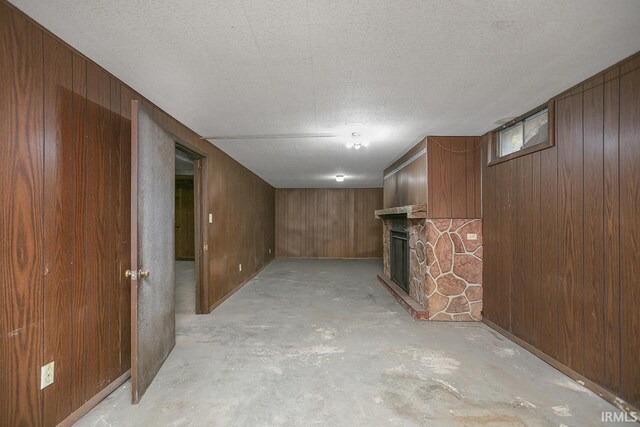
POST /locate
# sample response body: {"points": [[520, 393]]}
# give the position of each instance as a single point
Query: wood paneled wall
{"points": [[328, 223], [562, 235], [64, 222], [447, 178]]}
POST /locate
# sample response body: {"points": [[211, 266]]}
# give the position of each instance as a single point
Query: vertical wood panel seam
{"points": [[72, 267], [603, 299], [85, 117], [557, 220], [582, 285], [42, 216], [110, 272], [619, 245]]}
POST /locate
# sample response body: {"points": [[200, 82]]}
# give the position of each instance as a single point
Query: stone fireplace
{"points": [[444, 268]]}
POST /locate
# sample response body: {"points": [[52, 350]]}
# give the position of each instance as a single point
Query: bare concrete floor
{"points": [[322, 342], [185, 288]]}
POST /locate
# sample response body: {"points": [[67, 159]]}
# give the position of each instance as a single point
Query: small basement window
{"points": [[531, 131], [524, 135]]}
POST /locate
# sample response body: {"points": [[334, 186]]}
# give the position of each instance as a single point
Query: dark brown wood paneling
{"points": [[518, 202], [323, 222], [490, 289], [79, 297], [510, 238], [534, 262], [473, 177], [457, 179], [185, 237], [549, 301], [97, 186], [438, 180], [335, 224], [65, 223], [371, 245], [570, 218], [328, 223], [59, 209], [611, 242], [629, 170], [522, 289], [117, 256], [504, 231], [593, 210], [21, 215], [579, 287], [453, 177]]}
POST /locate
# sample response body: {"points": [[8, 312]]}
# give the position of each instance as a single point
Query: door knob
{"points": [[136, 275]]}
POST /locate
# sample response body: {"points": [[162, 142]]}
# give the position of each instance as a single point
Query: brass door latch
{"points": [[134, 275]]}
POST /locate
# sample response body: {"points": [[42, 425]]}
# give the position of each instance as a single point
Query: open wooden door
{"points": [[152, 248]]}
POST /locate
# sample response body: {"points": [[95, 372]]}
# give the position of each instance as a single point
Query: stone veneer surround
{"points": [[445, 268]]}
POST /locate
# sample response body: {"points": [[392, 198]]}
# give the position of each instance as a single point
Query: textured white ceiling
{"points": [[402, 68]]}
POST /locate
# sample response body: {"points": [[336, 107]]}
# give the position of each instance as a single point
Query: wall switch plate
{"points": [[239, 267], [472, 236], [269, 250], [210, 218], [46, 375]]}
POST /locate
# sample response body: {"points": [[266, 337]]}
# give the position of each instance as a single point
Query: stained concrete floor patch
{"points": [[322, 342]]}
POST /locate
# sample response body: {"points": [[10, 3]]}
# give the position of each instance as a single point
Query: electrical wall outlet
{"points": [[46, 375], [472, 236], [239, 267]]}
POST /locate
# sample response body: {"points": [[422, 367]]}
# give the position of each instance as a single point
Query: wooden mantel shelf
{"points": [[410, 211]]}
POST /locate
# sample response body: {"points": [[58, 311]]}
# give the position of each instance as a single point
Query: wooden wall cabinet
{"points": [[442, 172]]}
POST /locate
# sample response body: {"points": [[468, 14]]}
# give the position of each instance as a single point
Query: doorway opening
{"points": [[188, 231]]}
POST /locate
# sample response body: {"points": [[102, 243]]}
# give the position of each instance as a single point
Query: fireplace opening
{"points": [[399, 261]]}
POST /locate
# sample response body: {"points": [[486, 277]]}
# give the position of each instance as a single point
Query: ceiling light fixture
{"points": [[357, 140], [339, 178]]}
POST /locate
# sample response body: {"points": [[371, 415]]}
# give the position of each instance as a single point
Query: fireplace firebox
{"points": [[399, 261]]}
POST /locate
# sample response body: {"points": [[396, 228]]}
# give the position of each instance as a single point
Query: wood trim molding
{"points": [[406, 163], [89, 404], [597, 389], [406, 156]]}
